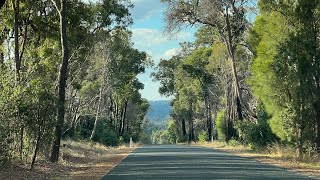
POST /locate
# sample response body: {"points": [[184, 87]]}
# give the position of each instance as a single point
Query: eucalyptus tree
{"points": [[196, 66], [102, 18], [42, 27], [229, 20], [286, 69], [34, 57], [62, 78], [127, 63]]}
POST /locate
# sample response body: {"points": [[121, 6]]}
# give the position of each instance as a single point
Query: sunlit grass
{"points": [[72, 151], [224, 145]]}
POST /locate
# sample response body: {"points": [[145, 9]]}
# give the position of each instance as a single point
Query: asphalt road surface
{"points": [[188, 162]]}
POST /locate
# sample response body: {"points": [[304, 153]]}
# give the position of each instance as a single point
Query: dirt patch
{"points": [[79, 160]]}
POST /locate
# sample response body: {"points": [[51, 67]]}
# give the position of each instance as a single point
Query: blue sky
{"points": [[148, 36]]}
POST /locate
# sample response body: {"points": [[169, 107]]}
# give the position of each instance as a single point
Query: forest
{"points": [[69, 70], [252, 75]]}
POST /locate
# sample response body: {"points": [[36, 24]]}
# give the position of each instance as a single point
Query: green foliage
{"points": [[203, 136], [107, 135], [283, 69], [221, 122], [102, 72], [145, 139], [172, 134], [163, 137], [5, 145], [257, 134], [233, 142]]}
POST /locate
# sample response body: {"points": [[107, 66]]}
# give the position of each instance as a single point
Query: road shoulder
{"points": [[79, 160], [309, 169]]}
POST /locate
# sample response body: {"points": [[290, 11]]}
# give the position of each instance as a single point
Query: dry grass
{"points": [[276, 154], [79, 160]]}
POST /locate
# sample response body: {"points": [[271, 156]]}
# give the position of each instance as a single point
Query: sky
{"points": [[147, 35]]}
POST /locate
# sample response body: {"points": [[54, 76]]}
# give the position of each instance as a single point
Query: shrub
{"points": [[106, 135], [203, 136], [182, 139], [233, 142], [221, 125], [145, 139], [172, 134], [5, 142], [256, 134]]}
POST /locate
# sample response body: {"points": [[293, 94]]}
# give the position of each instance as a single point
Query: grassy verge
{"points": [[79, 160], [276, 154]]}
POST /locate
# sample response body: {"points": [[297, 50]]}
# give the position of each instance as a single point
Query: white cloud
{"points": [[171, 52], [147, 38]]}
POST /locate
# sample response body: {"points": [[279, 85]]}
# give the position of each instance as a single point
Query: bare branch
{"points": [[55, 5]]}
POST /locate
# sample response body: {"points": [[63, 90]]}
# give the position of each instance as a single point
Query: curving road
{"points": [[187, 162]]}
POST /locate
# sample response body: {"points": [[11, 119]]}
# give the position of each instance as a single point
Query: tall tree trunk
{"points": [[191, 128], [93, 133], [1, 59], [298, 134], [238, 93], [37, 146], [124, 117], [231, 51], [62, 82], [317, 82], [75, 118], [111, 111], [120, 121], [116, 116], [317, 116], [183, 124], [208, 117], [35, 151], [15, 4]]}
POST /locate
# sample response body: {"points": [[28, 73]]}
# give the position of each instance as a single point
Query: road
{"points": [[189, 162]]}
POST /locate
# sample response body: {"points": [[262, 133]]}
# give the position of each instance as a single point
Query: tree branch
{"points": [[56, 6]]}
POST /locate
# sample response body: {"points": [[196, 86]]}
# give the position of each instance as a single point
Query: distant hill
{"points": [[159, 111]]}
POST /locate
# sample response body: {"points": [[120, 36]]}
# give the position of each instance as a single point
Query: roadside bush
{"points": [[221, 125], [164, 136], [203, 136], [4, 146], [106, 135], [83, 129], [233, 142], [172, 134], [109, 138], [145, 139], [182, 139], [256, 134], [125, 138]]}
